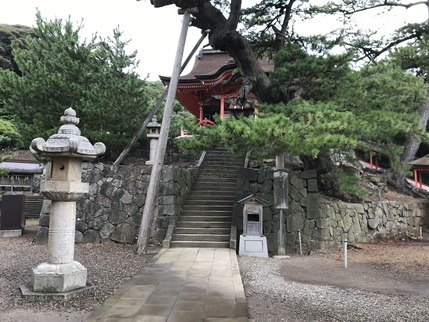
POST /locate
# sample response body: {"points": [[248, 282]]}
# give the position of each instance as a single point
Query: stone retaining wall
{"points": [[363, 222], [114, 205], [113, 209], [324, 225]]}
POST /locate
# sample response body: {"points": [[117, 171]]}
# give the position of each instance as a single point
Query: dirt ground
{"points": [[386, 281], [391, 267], [399, 267], [109, 266]]}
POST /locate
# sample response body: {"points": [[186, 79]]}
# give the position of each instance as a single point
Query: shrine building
{"points": [[212, 87]]}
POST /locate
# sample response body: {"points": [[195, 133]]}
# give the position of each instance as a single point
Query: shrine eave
{"points": [[201, 79], [422, 162]]}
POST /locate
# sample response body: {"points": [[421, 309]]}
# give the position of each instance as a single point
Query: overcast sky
{"points": [[153, 32]]}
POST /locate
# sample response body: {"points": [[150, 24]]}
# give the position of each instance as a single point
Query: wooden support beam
{"points": [[152, 113], [155, 176]]}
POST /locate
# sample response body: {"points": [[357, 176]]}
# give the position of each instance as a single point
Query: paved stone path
{"points": [[182, 285]]}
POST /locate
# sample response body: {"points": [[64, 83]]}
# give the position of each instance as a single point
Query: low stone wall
{"points": [[363, 222], [113, 209], [114, 205], [321, 226]]}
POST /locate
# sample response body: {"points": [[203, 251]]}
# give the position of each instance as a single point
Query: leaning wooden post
{"points": [[158, 103], [149, 206]]}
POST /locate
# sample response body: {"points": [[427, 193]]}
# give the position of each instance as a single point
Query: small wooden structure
{"points": [[420, 168], [20, 174], [372, 156]]}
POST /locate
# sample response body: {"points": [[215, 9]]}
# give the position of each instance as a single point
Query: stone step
{"points": [[218, 171], [217, 193], [217, 175], [206, 212], [207, 188], [218, 167], [209, 199], [207, 207], [205, 218], [210, 218], [219, 181], [225, 195], [203, 224], [206, 201], [223, 161], [200, 237], [204, 198], [216, 179], [220, 164], [200, 244], [210, 191], [215, 187], [202, 230], [33, 206]]}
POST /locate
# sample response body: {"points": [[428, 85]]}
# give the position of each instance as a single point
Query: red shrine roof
{"points": [[209, 77], [422, 162]]}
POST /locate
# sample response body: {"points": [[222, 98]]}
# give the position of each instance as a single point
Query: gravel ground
{"points": [[382, 283], [109, 265]]}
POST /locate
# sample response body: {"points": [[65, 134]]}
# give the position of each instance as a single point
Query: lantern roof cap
{"points": [[153, 123], [254, 198], [68, 141]]}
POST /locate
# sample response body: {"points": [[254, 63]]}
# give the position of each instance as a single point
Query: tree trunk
{"points": [[224, 36], [412, 143], [411, 146]]}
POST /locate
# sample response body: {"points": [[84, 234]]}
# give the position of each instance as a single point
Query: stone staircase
{"points": [[205, 218]]}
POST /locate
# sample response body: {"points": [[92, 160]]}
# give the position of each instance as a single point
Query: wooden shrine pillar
{"points": [[370, 159], [200, 119], [222, 104], [420, 179]]}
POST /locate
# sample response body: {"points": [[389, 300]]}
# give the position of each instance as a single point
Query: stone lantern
{"points": [[154, 130], [61, 274]]}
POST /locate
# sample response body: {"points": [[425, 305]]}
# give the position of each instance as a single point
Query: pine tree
{"points": [[59, 70]]}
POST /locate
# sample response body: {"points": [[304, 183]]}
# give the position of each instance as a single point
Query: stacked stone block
{"points": [[363, 222], [324, 225], [113, 208]]}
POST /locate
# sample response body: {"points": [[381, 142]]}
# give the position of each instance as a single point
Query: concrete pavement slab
{"points": [[183, 284]]}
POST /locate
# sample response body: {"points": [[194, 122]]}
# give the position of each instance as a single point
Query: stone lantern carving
{"points": [[154, 130], [66, 149]]}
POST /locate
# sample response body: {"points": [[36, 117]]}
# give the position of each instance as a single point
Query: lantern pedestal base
{"points": [[28, 293], [57, 278], [253, 246]]}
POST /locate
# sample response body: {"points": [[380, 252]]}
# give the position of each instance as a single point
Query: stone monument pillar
{"points": [[67, 149], [154, 131]]}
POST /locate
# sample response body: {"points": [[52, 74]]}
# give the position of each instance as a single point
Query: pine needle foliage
{"points": [[331, 107], [59, 70]]}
